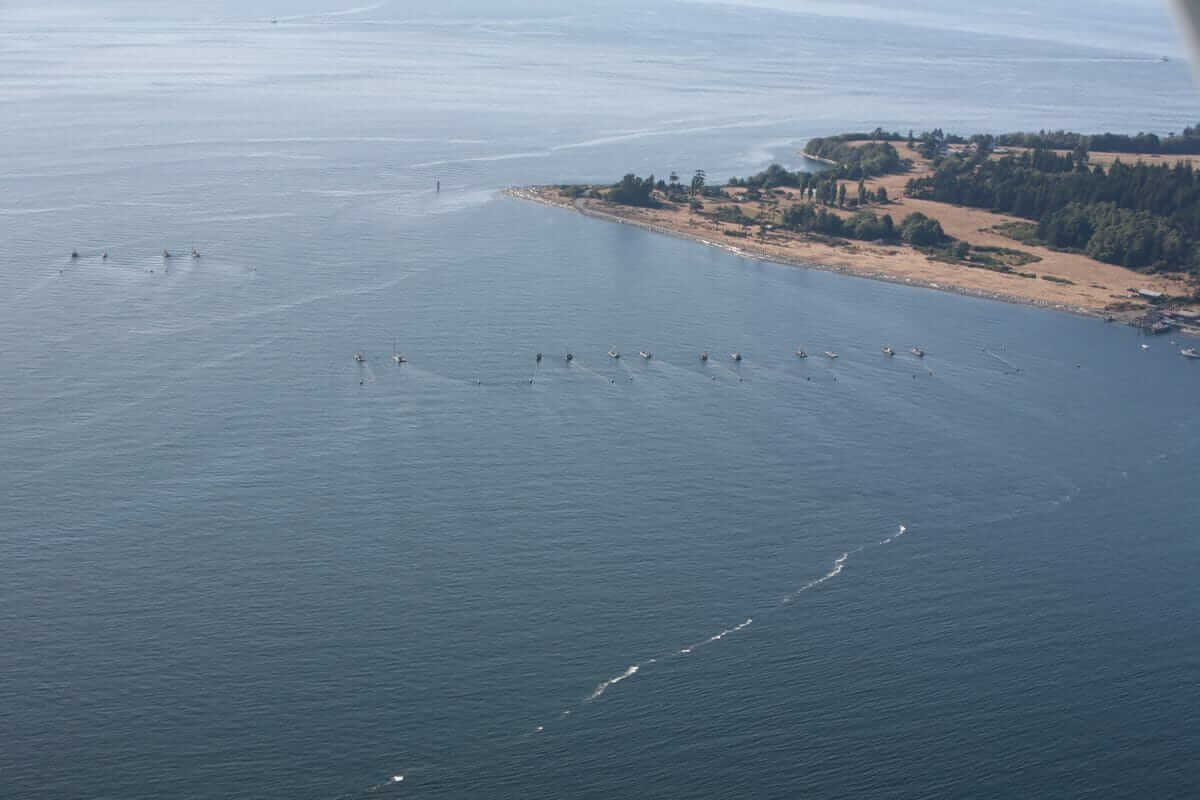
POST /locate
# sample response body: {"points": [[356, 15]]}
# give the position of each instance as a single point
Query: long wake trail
{"points": [[633, 670]]}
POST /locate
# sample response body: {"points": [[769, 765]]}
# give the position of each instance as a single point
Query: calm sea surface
{"points": [[234, 563]]}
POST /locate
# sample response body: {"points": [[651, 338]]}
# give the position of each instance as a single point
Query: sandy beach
{"points": [[1075, 282]]}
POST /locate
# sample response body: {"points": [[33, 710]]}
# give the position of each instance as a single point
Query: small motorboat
{"points": [[104, 256], [1145, 347], [704, 356], [888, 351], [830, 354], [570, 357], [736, 356], [166, 253], [918, 352], [538, 358], [1189, 352], [613, 354], [359, 357], [646, 354], [195, 253], [74, 254], [801, 354]]}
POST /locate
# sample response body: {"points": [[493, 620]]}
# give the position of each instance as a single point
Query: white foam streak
{"points": [[728, 631], [839, 564], [604, 685]]}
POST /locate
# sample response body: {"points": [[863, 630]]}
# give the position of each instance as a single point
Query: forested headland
{"points": [[1143, 216], [857, 156]]}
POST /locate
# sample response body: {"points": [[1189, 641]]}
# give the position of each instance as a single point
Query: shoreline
{"points": [[532, 193], [996, 264]]}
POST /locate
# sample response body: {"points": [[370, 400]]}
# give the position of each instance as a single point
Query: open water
{"points": [[235, 563]]}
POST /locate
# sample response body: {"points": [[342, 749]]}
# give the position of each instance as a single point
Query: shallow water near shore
{"points": [[237, 563]]}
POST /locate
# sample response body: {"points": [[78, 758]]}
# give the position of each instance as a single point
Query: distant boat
{"points": [[397, 356], [1189, 352], [918, 352], [646, 354], [736, 356], [888, 351], [166, 253], [104, 257], [613, 354], [74, 254], [801, 354], [830, 354], [1164, 59], [195, 253], [570, 356], [359, 357], [538, 358], [1145, 347], [704, 356]]}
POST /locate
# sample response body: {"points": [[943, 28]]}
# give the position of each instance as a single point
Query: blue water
{"points": [[238, 564]]}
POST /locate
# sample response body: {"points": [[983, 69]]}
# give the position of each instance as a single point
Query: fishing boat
{"points": [[613, 354], [646, 354], [801, 354], [736, 356], [918, 352], [888, 351], [830, 354], [704, 356], [359, 357], [1189, 352]]}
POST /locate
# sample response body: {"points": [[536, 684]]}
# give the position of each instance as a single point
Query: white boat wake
{"points": [[839, 565]]}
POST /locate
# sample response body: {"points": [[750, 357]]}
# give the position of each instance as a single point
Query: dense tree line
{"points": [[916, 229], [1142, 216], [820, 186], [1185, 143], [634, 191], [856, 161], [878, 135]]}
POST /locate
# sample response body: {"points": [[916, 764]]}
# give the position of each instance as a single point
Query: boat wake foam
{"points": [[603, 687], [894, 536], [839, 565]]}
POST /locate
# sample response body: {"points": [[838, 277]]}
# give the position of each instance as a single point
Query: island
{"points": [[1043, 218]]}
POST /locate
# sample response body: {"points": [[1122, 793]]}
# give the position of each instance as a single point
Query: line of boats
{"points": [[166, 254], [400, 358], [615, 354], [887, 351]]}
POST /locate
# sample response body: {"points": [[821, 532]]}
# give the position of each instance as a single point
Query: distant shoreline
{"points": [[744, 222], [536, 194]]}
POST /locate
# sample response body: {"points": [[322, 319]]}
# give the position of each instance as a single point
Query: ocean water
{"points": [[237, 564]]}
